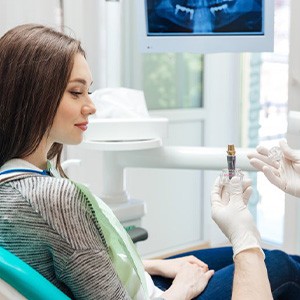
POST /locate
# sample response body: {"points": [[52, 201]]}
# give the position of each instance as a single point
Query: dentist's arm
{"points": [[285, 174], [230, 212], [250, 276]]}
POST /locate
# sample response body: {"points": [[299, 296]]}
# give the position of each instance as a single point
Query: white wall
{"points": [[87, 19], [15, 12]]}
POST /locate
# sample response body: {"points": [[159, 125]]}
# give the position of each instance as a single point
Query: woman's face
{"points": [[71, 119]]}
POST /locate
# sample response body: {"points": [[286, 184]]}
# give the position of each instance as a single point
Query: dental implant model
{"points": [[231, 159]]}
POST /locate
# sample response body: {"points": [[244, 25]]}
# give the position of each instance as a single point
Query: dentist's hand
{"points": [[230, 212], [284, 174]]}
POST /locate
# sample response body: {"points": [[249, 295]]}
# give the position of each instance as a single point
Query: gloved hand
{"points": [[285, 174], [230, 212]]}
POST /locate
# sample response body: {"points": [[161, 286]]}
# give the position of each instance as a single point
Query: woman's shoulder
{"points": [[45, 184], [49, 192], [59, 202]]}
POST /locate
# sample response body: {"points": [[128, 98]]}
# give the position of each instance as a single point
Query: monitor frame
{"points": [[213, 43]]}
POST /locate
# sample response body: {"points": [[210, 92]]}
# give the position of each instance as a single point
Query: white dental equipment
{"points": [[127, 136], [137, 142]]}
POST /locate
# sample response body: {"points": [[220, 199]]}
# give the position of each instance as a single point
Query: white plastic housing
{"points": [[126, 129]]}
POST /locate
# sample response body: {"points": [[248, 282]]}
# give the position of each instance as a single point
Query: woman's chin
{"points": [[74, 142]]}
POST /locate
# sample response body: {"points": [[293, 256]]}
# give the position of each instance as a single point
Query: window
{"points": [[271, 108], [173, 80]]}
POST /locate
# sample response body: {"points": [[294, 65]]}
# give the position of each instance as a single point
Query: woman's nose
{"points": [[90, 107]]}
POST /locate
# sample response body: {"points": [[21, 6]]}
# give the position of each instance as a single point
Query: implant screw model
{"points": [[231, 160]]}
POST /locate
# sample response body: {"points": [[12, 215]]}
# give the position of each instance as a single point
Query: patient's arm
{"points": [[250, 276], [189, 282], [190, 274], [170, 267]]}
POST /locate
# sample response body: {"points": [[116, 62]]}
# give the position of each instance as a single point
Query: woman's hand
{"points": [[190, 274], [169, 268], [190, 281]]}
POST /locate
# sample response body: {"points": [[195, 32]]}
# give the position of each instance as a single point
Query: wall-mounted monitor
{"points": [[206, 26]]}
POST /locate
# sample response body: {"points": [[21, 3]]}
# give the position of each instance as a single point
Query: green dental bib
{"points": [[122, 251]]}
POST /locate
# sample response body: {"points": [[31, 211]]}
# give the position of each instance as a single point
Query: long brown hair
{"points": [[35, 65]]}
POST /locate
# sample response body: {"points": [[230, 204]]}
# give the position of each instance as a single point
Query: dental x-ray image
{"points": [[205, 17]]}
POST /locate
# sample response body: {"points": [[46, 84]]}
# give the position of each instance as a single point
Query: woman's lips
{"points": [[82, 126]]}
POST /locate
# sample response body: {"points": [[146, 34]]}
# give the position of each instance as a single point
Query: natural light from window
{"points": [[273, 123]]}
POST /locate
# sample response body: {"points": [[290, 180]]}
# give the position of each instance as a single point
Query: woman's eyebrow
{"points": [[80, 80]]}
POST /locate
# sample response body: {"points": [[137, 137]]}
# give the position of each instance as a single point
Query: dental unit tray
{"points": [[126, 129]]}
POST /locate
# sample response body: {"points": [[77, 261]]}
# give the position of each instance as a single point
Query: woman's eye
{"points": [[76, 94]]}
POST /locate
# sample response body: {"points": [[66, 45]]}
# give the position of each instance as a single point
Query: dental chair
{"points": [[19, 281], [137, 234]]}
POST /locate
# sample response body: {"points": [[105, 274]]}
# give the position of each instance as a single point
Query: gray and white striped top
{"points": [[49, 224]]}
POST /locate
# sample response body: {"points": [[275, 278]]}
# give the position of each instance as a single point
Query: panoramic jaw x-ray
{"points": [[205, 16]]}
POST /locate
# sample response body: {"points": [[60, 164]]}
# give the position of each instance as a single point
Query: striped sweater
{"points": [[49, 224]]}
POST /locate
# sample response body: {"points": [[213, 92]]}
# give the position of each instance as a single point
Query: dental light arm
{"points": [[175, 157], [114, 163]]}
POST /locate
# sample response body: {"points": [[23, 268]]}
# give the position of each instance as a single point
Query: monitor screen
{"points": [[205, 26]]}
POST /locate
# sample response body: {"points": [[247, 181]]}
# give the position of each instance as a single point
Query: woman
{"points": [[57, 226]]}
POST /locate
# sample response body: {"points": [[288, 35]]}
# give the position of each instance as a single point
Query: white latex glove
{"points": [[285, 174], [230, 212]]}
